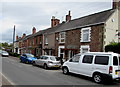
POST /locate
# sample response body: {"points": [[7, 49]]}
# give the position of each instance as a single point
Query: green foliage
{"points": [[113, 47], [14, 54]]}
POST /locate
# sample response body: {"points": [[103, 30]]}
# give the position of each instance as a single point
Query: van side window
{"points": [[75, 58], [87, 59], [102, 60], [115, 61]]}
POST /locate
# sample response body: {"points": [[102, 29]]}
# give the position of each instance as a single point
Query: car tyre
{"points": [[45, 66], [33, 63], [97, 78], [27, 61], [65, 70]]}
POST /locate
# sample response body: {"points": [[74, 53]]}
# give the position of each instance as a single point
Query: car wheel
{"points": [[65, 70], [34, 64], [97, 78], [27, 61], [45, 66], [20, 61]]}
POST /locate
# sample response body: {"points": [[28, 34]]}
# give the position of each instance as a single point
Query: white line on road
{"points": [[8, 79]]}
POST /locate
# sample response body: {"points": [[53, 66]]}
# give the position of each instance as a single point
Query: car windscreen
{"points": [[54, 58], [4, 52], [30, 55]]}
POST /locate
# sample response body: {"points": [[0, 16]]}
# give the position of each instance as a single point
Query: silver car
{"points": [[4, 54], [47, 61]]}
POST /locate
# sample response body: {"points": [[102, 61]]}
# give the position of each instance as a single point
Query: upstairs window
{"points": [[62, 37], [46, 40], [85, 34]]}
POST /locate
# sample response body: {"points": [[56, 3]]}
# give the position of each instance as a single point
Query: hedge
{"points": [[14, 54], [113, 47]]}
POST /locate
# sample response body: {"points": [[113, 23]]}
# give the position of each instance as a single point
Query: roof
{"points": [[53, 29], [93, 19], [86, 21], [101, 53]]}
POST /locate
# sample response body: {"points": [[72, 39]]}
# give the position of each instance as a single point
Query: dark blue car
{"points": [[27, 58]]}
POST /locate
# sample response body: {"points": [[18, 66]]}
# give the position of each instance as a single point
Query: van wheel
{"points": [[65, 70], [97, 78]]}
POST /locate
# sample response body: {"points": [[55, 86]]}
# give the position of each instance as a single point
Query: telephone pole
{"points": [[13, 37]]}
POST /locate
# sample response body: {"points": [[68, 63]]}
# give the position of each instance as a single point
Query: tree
{"points": [[113, 47]]}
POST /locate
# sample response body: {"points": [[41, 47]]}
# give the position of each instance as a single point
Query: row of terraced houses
{"points": [[89, 33]]}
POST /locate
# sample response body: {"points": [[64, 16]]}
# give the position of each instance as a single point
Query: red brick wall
{"points": [[96, 43]]}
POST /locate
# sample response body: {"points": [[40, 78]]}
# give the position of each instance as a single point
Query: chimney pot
{"points": [[17, 37], [54, 21], [116, 4], [24, 35], [68, 17], [33, 30]]}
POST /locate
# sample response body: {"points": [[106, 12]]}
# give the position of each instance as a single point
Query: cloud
{"points": [[26, 15]]}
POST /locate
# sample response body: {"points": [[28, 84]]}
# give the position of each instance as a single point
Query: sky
{"points": [[26, 14]]}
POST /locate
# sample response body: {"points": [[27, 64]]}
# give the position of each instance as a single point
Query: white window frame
{"points": [[84, 47], [59, 50], [46, 40], [60, 38], [82, 34]]}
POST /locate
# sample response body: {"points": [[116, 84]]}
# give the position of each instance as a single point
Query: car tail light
{"points": [[110, 69], [50, 62]]}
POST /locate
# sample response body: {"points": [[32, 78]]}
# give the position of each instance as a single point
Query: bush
{"points": [[113, 47], [14, 54]]}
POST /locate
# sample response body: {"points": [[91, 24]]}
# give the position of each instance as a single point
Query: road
{"points": [[25, 74]]}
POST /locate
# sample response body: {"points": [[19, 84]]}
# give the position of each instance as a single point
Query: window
{"points": [[115, 61], [75, 58], [45, 58], [87, 59], [102, 60], [62, 37], [85, 34], [46, 40], [84, 49]]}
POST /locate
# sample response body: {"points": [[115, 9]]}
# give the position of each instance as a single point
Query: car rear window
{"points": [[102, 60], [119, 60], [115, 61]]}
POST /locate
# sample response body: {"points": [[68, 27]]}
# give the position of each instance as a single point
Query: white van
{"points": [[99, 65]]}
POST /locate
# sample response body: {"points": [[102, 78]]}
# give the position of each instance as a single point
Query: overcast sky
{"points": [[28, 14]]}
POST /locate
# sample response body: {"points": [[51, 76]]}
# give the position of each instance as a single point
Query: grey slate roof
{"points": [[93, 19]]}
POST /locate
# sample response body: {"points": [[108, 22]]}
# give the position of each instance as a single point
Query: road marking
{"points": [[8, 79]]}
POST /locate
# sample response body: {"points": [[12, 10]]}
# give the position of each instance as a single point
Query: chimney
{"points": [[54, 22], [17, 37], [116, 4], [24, 35], [68, 17], [33, 30]]}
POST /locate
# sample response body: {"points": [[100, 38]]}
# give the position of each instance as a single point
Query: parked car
{"points": [[27, 58], [47, 61], [100, 66], [4, 53]]}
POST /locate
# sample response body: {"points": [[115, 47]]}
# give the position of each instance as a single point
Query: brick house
{"points": [[49, 37], [89, 33]]}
